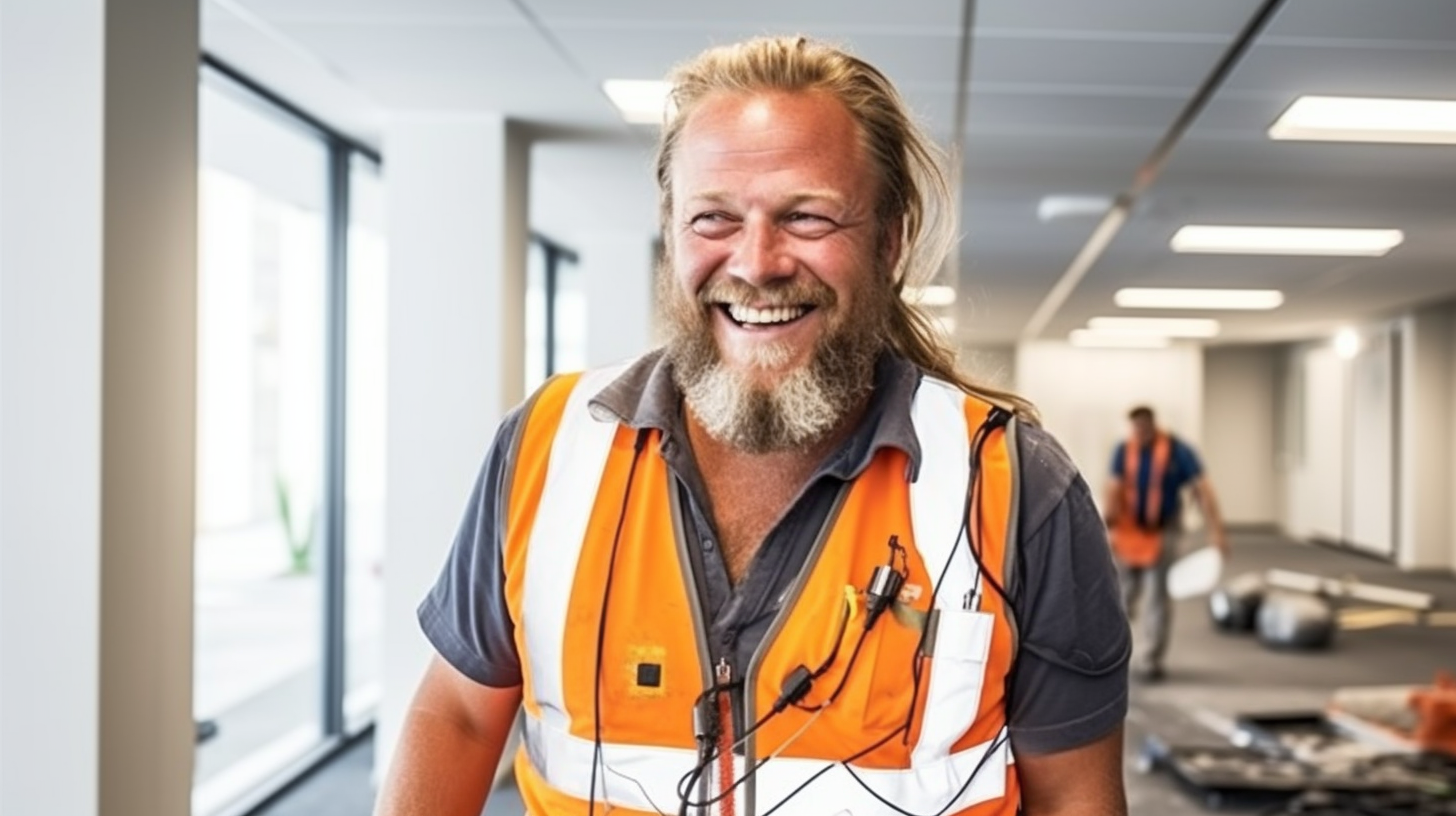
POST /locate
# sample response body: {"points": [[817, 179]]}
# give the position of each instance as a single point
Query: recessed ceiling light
{"points": [[1365, 119], [1166, 326], [1087, 338], [1134, 298], [1285, 240], [929, 295], [641, 101], [1347, 343], [1052, 207]]}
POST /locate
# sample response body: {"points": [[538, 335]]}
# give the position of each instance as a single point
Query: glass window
{"points": [[262, 300], [364, 445], [536, 323], [570, 307]]}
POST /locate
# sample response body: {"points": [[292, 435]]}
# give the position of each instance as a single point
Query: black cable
{"points": [[602, 621], [827, 768], [990, 749]]}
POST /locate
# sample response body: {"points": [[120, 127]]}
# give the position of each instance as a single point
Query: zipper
{"points": [[724, 676]]}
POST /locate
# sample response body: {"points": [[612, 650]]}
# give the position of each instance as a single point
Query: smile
{"points": [[773, 315]]}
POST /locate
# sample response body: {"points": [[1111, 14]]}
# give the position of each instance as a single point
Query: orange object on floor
{"points": [[1436, 715]]}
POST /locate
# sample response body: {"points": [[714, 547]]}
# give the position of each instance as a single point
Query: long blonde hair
{"points": [[914, 192]]}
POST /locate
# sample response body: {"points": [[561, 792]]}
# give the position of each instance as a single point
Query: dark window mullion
{"points": [[336, 405]]}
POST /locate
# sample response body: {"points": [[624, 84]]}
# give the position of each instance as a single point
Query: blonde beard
{"points": [[738, 412], [804, 406]]}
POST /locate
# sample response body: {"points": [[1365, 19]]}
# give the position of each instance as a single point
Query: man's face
{"points": [[777, 277], [1143, 429]]}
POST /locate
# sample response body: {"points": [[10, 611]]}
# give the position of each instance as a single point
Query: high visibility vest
{"points": [[569, 492], [1137, 538]]}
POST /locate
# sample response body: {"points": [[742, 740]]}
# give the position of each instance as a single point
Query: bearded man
{"points": [[794, 562]]}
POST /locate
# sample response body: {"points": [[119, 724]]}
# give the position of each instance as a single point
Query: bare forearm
{"points": [[439, 769]]}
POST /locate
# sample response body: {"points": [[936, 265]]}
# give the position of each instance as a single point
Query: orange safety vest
{"points": [[568, 494], [1138, 542]]}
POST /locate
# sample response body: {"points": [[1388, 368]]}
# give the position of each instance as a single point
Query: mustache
{"points": [[805, 292]]}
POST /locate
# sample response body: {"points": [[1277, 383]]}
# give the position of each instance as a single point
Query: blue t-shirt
{"points": [[1183, 467]]}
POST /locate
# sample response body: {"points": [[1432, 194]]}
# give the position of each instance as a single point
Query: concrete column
{"points": [[98, 151], [50, 403], [1425, 441], [456, 186], [616, 268]]}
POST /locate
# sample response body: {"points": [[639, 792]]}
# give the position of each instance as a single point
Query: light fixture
{"points": [[1232, 299], [1285, 240], [1366, 119], [1052, 207], [1087, 338], [1165, 326], [641, 101], [938, 295], [1347, 343]]}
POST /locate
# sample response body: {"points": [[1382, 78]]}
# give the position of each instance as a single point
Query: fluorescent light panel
{"points": [[641, 101], [1087, 338], [1165, 326], [1232, 299], [929, 295], [1285, 240], [1366, 119]]}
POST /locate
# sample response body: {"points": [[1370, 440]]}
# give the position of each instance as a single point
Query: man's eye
{"points": [[808, 225], [711, 224]]}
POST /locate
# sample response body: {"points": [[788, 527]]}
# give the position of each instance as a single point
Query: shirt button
{"points": [[707, 544]]}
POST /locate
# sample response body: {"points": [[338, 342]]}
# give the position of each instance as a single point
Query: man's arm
{"points": [[1208, 504], [449, 746], [1085, 781]]}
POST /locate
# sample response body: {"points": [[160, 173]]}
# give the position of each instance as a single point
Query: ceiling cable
{"points": [[1116, 216]]}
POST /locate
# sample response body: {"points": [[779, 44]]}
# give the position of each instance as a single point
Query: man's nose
{"points": [[761, 255]]}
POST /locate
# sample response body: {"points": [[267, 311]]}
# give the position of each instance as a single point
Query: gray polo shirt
{"points": [[1069, 683]]}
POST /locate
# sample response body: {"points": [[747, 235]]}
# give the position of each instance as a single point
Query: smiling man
{"points": [[794, 562]]}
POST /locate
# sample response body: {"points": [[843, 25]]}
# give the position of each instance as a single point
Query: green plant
{"points": [[300, 542]]}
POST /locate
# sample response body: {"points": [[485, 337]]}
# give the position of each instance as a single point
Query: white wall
{"points": [[1372, 405], [50, 404], [456, 187], [1084, 395], [1340, 440], [1238, 431], [1428, 363], [98, 252], [616, 273]]}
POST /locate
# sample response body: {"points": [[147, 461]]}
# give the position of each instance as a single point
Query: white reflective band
{"points": [[937, 504], [578, 457], [645, 778]]}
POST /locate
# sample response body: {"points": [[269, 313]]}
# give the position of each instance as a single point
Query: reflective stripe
{"points": [[645, 778], [578, 457], [937, 504]]}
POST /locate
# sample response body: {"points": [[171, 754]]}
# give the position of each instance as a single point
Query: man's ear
{"points": [[892, 243]]}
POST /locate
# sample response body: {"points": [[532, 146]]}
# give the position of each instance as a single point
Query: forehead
{"points": [[748, 137]]}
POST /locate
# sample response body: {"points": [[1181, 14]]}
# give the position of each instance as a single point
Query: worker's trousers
{"points": [[1150, 584]]}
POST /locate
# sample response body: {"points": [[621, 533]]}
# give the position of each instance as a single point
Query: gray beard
{"points": [[800, 410]]}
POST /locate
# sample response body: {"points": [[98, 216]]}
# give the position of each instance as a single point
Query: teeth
{"points": [[773, 314]]}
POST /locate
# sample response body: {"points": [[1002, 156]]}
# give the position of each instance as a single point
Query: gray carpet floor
{"points": [[1211, 675]]}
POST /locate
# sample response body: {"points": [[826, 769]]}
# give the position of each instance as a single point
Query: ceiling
{"points": [[1066, 97]]}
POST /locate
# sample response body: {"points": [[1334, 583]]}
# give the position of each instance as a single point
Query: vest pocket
{"points": [[957, 676]]}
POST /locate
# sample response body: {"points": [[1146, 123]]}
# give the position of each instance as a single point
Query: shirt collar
{"points": [[645, 396]]}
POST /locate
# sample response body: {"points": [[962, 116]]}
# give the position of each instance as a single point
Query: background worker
{"points": [[1143, 509]]}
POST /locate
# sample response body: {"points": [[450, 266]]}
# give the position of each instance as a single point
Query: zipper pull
{"points": [[724, 675]]}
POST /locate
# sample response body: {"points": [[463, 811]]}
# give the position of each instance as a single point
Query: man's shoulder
{"points": [[1046, 473]]}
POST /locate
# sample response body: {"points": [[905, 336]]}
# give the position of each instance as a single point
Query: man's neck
{"points": [[751, 492]]}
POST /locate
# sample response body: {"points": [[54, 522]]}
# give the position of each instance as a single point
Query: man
{"points": [[1144, 513], [793, 562]]}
